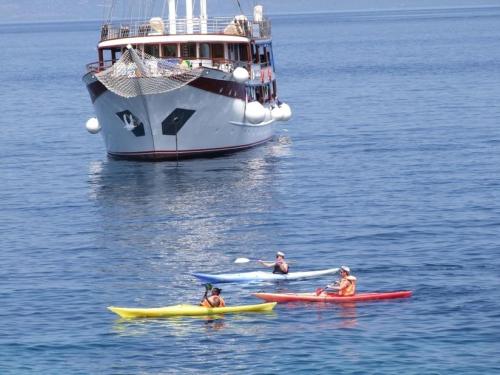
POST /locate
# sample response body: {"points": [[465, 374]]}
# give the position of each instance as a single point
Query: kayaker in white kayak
{"points": [[346, 286], [215, 299], [280, 265]]}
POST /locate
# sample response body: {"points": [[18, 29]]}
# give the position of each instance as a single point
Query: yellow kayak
{"points": [[188, 310]]}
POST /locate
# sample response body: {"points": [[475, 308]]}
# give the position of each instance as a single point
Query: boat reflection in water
{"points": [[189, 206]]}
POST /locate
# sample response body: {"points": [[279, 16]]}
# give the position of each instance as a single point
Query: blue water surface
{"points": [[390, 164]]}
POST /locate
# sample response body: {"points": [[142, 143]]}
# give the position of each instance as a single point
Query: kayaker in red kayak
{"points": [[215, 300], [346, 286], [280, 265]]}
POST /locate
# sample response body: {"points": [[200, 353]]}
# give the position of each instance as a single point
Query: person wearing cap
{"points": [[280, 265], [346, 286], [215, 300]]}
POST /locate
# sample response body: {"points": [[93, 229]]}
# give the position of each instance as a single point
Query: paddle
{"points": [[208, 287], [321, 290], [246, 260]]}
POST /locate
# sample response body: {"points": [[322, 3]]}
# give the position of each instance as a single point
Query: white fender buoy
{"points": [[286, 112], [240, 75], [93, 126], [239, 107], [255, 112], [277, 113]]}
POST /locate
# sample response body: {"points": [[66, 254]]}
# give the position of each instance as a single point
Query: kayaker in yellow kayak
{"points": [[215, 299], [280, 265], [346, 286]]}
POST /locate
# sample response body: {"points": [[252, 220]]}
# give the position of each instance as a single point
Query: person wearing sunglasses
{"points": [[346, 286], [280, 266]]}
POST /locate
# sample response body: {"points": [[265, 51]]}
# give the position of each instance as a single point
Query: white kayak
{"points": [[261, 276]]}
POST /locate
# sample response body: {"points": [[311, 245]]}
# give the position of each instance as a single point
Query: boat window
{"points": [[250, 91], [258, 94], [263, 55], [169, 50], [115, 54], [217, 50], [265, 92], [111, 54], [188, 50], [243, 51], [232, 52], [204, 51], [106, 54], [255, 54], [152, 49]]}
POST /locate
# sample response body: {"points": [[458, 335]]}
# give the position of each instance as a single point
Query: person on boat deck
{"points": [[346, 286], [280, 265], [215, 300]]}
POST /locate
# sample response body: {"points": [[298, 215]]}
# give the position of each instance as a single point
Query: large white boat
{"points": [[171, 88]]}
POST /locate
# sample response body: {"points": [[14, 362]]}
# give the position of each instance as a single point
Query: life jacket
{"points": [[350, 288], [277, 269], [205, 302]]}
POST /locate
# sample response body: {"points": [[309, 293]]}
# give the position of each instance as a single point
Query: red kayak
{"points": [[331, 297]]}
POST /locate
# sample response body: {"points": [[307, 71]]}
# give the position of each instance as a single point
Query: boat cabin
{"points": [[222, 43]]}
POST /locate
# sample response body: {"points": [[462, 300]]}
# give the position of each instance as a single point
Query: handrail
{"points": [[96, 66], [216, 25], [214, 63]]}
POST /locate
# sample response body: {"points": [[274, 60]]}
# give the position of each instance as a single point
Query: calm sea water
{"points": [[390, 165]]}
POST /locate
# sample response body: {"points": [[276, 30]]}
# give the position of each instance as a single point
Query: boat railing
{"points": [[224, 65], [98, 66], [217, 25]]}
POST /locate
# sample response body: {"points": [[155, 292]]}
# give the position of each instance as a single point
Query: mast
{"points": [[203, 16], [189, 16], [171, 17]]}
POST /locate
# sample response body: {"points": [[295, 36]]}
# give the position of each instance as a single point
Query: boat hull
{"points": [[188, 310], [261, 276], [195, 120], [330, 297]]}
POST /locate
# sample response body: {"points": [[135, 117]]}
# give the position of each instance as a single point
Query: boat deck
{"points": [[182, 26]]}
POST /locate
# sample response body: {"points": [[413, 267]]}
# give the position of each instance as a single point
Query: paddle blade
{"points": [[242, 260]]}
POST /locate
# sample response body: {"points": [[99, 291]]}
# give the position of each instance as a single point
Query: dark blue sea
{"points": [[390, 164]]}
